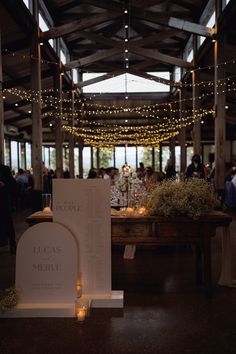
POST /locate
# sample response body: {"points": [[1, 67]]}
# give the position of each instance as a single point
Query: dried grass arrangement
{"points": [[187, 198]]}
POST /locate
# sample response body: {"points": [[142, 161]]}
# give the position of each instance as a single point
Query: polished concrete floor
{"points": [[165, 311]]}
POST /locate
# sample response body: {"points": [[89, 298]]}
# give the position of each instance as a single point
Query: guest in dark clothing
{"points": [[66, 173], [196, 168], [170, 169], [92, 173], [7, 190]]}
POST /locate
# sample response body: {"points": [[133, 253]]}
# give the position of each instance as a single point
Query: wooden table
{"points": [[158, 230]]}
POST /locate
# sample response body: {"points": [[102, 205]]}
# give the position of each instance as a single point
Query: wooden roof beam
{"points": [[146, 53], [159, 18], [173, 22], [152, 77], [103, 54], [100, 78], [81, 24]]}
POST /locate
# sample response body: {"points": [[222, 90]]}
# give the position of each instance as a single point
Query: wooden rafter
{"points": [[92, 58], [159, 18], [152, 77], [146, 53], [101, 78], [172, 22], [78, 25]]}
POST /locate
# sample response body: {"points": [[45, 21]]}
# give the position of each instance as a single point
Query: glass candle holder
{"points": [[82, 309], [46, 203]]}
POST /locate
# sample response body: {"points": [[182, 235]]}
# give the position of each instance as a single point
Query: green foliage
{"points": [[106, 155], [190, 198], [8, 299]]}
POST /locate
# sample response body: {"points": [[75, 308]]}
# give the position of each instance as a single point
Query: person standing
{"points": [[196, 168], [7, 189], [170, 170]]}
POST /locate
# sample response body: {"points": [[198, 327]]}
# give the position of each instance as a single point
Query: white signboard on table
{"points": [[83, 206], [46, 272]]}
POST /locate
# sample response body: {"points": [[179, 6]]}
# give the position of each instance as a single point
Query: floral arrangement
{"points": [[190, 198], [8, 299]]}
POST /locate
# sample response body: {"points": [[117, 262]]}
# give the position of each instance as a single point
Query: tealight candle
{"points": [[81, 313], [47, 210], [129, 211], [142, 211]]}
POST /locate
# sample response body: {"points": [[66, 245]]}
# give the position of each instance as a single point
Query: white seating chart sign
{"points": [[46, 272], [83, 206]]}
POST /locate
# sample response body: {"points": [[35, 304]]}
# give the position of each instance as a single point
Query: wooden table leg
{"points": [[198, 263], [207, 264]]}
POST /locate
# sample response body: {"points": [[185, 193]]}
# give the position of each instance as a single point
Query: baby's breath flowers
{"points": [[190, 198], [8, 299]]}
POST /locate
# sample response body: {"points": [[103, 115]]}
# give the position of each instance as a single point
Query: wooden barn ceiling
{"points": [[94, 33]]}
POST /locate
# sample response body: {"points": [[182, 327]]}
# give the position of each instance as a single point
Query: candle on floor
{"points": [[81, 313]]}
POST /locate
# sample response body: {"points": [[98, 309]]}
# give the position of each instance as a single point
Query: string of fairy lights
{"points": [[101, 131], [226, 83], [6, 51]]}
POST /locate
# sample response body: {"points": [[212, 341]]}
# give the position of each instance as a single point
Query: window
{"points": [[177, 74], [86, 160], [120, 156], [165, 156], [14, 156], [190, 56], [106, 157], [177, 158], [26, 2], [7, 159], [210, 23], [22, 155], [28, 155], [131, 157], [145, 155], [75, 75], [46, 156], [52, 154], [44, 27], [126, 83], [62, 56], [189, 154], [157, 159], [76, 161]]}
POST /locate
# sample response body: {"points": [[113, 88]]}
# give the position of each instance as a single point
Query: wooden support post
{"points": [[172, 150], [92, 163], [36, 106], [81, 146], [220, 119], [195, 93], [182, 136], [80, 140], [1, 109], [161, 167], [98, 157], [72, 138], [58, 132]]}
